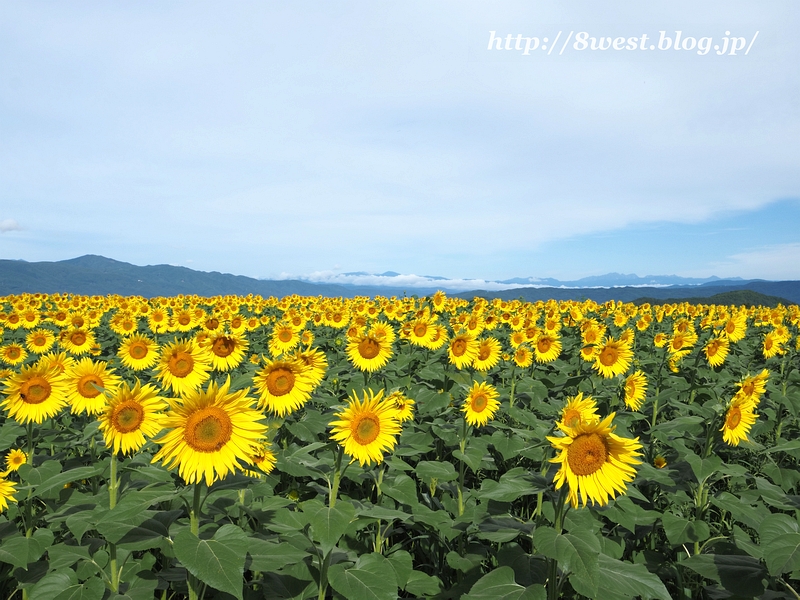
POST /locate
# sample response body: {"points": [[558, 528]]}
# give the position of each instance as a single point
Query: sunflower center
{"points": [[587, 454], [459, 347], [184, 320], [181, 364], [677, 343], [544, 344], [127, 416], [86, 386], [223, 347], [35, 391], [730, 327], [479, 402], [39, 340], [285, 336], [366, 430], [748, 388], [713, 347], [208, 429], [590, 337], [280, 381], [369, 348], [609, 356], [78, 322], [420, 329], [138, 350], [484, 353], [13, 352], [78, 338], [212, 323], [734, 417]]}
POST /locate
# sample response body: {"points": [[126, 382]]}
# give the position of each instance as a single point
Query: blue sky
{"points": [[286, 139]]}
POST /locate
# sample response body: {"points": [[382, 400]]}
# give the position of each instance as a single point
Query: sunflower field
{"points": [[376, 448]]}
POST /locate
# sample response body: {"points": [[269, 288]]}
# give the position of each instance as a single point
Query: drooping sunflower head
{"points": [[480, 404], [595, 463], [404, 405], [210, 433], [367, 428], [635, 390], [739, 418], [132, 415]]}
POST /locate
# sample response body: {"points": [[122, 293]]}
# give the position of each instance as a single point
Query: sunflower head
{"points": [[15, 459], [131, 416], [367, 427], [481, 403]]}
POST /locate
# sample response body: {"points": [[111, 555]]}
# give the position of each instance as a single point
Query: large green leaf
{"points": [[422, 584], [52, 584], [500, 585], [267, 556], [218, 562], [782, 553], [513, 484], [618, 580], [576, 552], [402, 564], [703, 468], [328, 524], [372, 582], [55, 483], [20, 551], [680, 531], [740, 574], [440, 471], [91, 589]]}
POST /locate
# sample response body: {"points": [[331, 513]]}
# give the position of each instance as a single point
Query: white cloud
{"points": [[9, 225], [776, 262]]}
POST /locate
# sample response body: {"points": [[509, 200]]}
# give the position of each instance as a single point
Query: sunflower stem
{"points": [[462, 446], [113, 490], [337, 477], [194, 525]]}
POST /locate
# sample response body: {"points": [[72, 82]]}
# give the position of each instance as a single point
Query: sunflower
{"points": [[578, 410], [130, 415], [635, 390], [546, 347], [480, 404], [61, 361], [283, 386], [14, 460], [659, 462], [752, 388], [36, 393], [772, 345], [138, 352], [264, 458], [488, 354], [367, 428], [523, 356], [716, 350], [183, 367], [40, 341], [369, 352], [283, 339], [87, 380], [77, 341], [438, 338], [209, 432], [226, 350], [738, 419], [660, 339], [7, 489], [735, 327], [462, 350], [613, 358], [316, 364], [158, 320], [12, 354], [595, 462], [405, 406]]}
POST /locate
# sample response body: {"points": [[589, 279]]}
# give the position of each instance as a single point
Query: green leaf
{"points": [[36, 476], [441, 471], [52, 584], [9, 432], [21, 551], [680, 531], [618, 580], [513, 484], [402, 488], [218, 562], [91, 589], [464, 562], [629, 514], [62, 555], [402, 564], [576, 552], [268, 556], [328, 524], [362, 584], [776, 525], [56, 483], [500, 585], [528, 568], [782, 554], [377, 563], [703, 468], [422, 584], [740, 574]]}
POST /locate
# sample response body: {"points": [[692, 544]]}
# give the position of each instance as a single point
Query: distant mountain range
{"points": [[97, 275]]}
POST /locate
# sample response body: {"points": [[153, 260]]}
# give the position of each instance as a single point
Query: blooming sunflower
{"points": [[595, 462], [613, 358], [405, 406], [87, 380], [753, 387], [61, 361], [738, 419], [40, 340], [369, 352], [7, 489], [316, 364], [12, 354], [138, 352], [523, 356], [635, 390], [488, 354], [546, 347], [226, 350], [578, 410], [130, 415], [480, 404], [36, 393], [283, 339], [14, 460], [772, 345], [209, 432], [367, 428], [716, 351], [264, 458], [77, 341], [462, 350], [283, 386], [183, 367]]}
